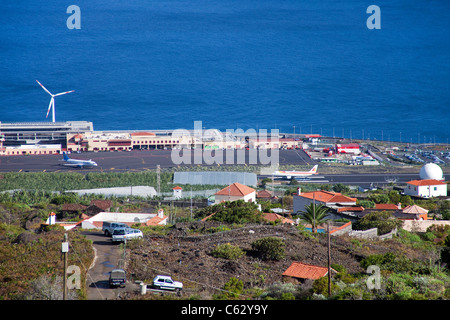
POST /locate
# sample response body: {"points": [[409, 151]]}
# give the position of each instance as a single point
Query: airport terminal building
{"points": [[15, 134]]}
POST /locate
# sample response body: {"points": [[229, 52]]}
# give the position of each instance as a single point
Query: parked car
{"points": [[117, 278], [108, 227], [123, 234], [166, 283]]}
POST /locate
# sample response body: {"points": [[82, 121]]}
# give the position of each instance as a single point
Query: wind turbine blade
{"points": [[52, 101], [60, 94], [44, 88]]}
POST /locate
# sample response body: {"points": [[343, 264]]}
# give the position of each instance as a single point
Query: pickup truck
{"points": [[108, 227], [166, 283]]}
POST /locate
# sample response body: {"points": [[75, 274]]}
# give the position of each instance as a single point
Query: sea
{"points": [[297, 66]]}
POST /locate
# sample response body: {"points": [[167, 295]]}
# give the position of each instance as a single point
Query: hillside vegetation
{"points": [[31, 264]]}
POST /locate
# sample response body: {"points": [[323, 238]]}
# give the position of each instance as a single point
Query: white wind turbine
{"points": [[52, 100]]}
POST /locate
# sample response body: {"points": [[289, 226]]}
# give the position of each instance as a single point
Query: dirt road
{"points": [[107, 258]]}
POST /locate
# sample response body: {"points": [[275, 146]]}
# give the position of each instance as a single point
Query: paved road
{"points": [[108, 257]]}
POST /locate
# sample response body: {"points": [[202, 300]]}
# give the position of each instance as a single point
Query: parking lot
{"points": [[425, 156]]}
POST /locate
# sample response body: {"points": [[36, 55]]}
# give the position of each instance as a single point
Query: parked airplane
{"points": [[296, 174], [78, 163]]}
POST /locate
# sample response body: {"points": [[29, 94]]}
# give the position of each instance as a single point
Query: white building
{"points": [[235, 191], [351, 148], [177, 192], [96, 222], [427, 188], [30, 149]]}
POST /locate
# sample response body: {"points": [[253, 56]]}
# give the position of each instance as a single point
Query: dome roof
{"points": [[431, 171]]}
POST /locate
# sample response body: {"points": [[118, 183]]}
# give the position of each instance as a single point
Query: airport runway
{"points": [[136, 161], [149, 159]]}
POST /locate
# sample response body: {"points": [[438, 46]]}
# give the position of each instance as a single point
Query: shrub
{"points": [[383, 220], [269, 248], [391, 262], [227, 251], [280, 290], [232, 289], [320, 286]]}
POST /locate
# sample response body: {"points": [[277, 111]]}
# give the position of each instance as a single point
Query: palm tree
{"points": [[315, 215]]}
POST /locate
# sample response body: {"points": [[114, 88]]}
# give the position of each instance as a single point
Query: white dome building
{"points": [[431, 171]]}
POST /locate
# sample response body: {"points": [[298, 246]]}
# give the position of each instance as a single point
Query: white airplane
{"points": [[296, 174], [78, 163]]}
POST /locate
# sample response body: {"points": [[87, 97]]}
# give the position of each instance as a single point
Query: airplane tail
{"points": [[65, 156], [314, 169]]}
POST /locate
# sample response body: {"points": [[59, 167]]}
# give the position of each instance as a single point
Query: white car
{"points": [[166, 283], [124, 234]]}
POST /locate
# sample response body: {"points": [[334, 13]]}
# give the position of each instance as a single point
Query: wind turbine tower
{"points": [[52, 100]]}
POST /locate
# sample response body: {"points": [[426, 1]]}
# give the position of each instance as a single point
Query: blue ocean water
{"points": [[262, 64]]}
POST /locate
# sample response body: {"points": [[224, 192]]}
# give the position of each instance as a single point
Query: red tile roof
{"points": [[305, 271], [177, 188], [264, 194], [102, 204], [345, 209], [143, 134], [327, 196], [236, 189], [155, 221], [272, 217], [426, 182], [386, 206]]}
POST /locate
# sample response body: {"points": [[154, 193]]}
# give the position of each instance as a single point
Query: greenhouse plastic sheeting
{"points": [[215, 178]]}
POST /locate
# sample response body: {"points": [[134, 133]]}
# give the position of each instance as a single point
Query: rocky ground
{"points": [[185, 254]]}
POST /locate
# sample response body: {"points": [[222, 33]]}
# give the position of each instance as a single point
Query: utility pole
{"points": [[313, 228], [158, 179], [191, 202], [65, 250], [329, 259]]}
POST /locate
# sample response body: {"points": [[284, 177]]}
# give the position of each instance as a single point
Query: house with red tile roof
{"points": [[264, 194], [235, 191], [333, 200], [426, 188], [299, 272], [71, 208], [97, 206]]}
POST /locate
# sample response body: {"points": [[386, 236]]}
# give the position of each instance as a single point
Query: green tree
{"points": [[366, 203], [341, 188], [269, 248], [394, 197], [233, 212], [383, 220], [406, 201], [315, 215], [379, 198]]}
